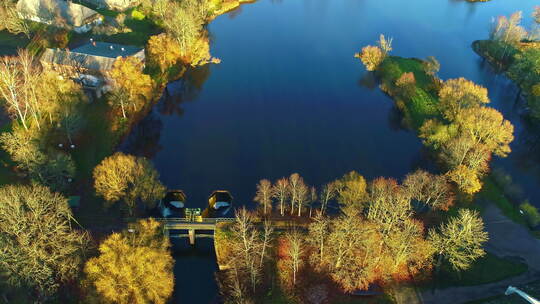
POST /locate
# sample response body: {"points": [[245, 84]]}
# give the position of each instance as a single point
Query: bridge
{"points": [[176, 227]]}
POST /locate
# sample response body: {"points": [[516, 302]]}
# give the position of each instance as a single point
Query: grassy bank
{"points": [[421, 103], [520, 63]]}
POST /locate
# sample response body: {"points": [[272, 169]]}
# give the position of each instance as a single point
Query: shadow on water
{"points": [[194, 272]]}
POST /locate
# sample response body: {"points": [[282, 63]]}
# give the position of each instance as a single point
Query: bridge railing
{"points": [[204, 220]]}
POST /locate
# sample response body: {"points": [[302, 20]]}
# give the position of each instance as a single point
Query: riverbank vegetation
{"points": [[382, 233], [515, 50], [450, 116]]}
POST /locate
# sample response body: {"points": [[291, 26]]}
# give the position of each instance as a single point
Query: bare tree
{"points": [[295, 180], [312, 199], [264, 195], [267, 238], [328, 193], [295, 251], [302, 196], [319, 230], [280, 191]]}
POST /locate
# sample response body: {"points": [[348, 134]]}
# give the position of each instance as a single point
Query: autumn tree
{"points": [[508, 29], [457, 94], [127, 178], [319, 229], [536, 14], [351, 191], [135, 266], [163, 50], [295, 252], [263, 195], [131, 88], [466, 179], [53, 168], [389, 203], [298, 191], [460, 240], [10, 20], [39, 247], [280, 192], [328, 193], [371, 57], [429, 189]]}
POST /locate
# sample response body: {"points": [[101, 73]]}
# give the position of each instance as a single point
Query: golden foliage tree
{"points": [[466, 179], [371, 57], [351, 191], [460, 240], [163, 50], [39, 248], [127, 178], [131, 88], [280, 191], [133, 267], [429, 189], [264, 195], [457, 94]]}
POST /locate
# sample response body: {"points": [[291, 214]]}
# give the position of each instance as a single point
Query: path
{"points": [[506, 239]]}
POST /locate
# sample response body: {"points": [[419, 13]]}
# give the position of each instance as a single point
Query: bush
{"points": [[531, 213], [135, 14]]}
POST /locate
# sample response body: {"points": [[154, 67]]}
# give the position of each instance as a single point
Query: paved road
{"points": [[506, 239]]}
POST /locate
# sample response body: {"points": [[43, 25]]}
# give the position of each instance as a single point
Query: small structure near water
{"points": [[90, 63], [173, 204], [220, 202]]}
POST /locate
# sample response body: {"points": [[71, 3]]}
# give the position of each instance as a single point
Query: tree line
{"points": [[376, 237]]}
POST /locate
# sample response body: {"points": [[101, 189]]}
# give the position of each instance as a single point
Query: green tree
{"points": [[130, 179], [133, 267], [39, 248]]}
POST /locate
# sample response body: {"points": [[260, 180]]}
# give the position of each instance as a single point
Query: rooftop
{"points": [[105, 49]]}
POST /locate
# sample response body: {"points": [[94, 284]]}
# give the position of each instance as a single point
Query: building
{"points": [[61, 13], [117, 5], [90, 64]]}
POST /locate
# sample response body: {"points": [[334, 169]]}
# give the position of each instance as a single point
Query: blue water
{"points": [[289, 97]]}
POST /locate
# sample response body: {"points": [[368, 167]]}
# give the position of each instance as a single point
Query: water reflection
{"points": [[144, 138]]}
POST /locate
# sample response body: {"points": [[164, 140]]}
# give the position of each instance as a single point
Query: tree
{"points": [[298, 191], [39, 248], [302, 197], [312, 199], [371, 57], [294, 252], [133, 267], [328, 193], [281, 192], [429, 189], [128, 178], [319, 229], [163, 50], [431, 66], [466, 179], [264, 195], [536, 14], [130, 86], [487, 126], [389, 204], [460, 240], [385, 44], [267, 237], [10, 20], [457, 94], [351, 191]]}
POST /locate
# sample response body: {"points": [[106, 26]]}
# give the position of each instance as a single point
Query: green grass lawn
{"points": [[493, 193], [422, 104], [486, 270]]}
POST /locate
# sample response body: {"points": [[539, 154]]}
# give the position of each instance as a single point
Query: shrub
{"points": [[531, 213], [371, 57], [135, 14]]}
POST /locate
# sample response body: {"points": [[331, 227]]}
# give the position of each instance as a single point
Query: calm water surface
{"points": [[289, 97]]}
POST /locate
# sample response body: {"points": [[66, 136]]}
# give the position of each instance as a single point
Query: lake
{"points": [[289, 97]]}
